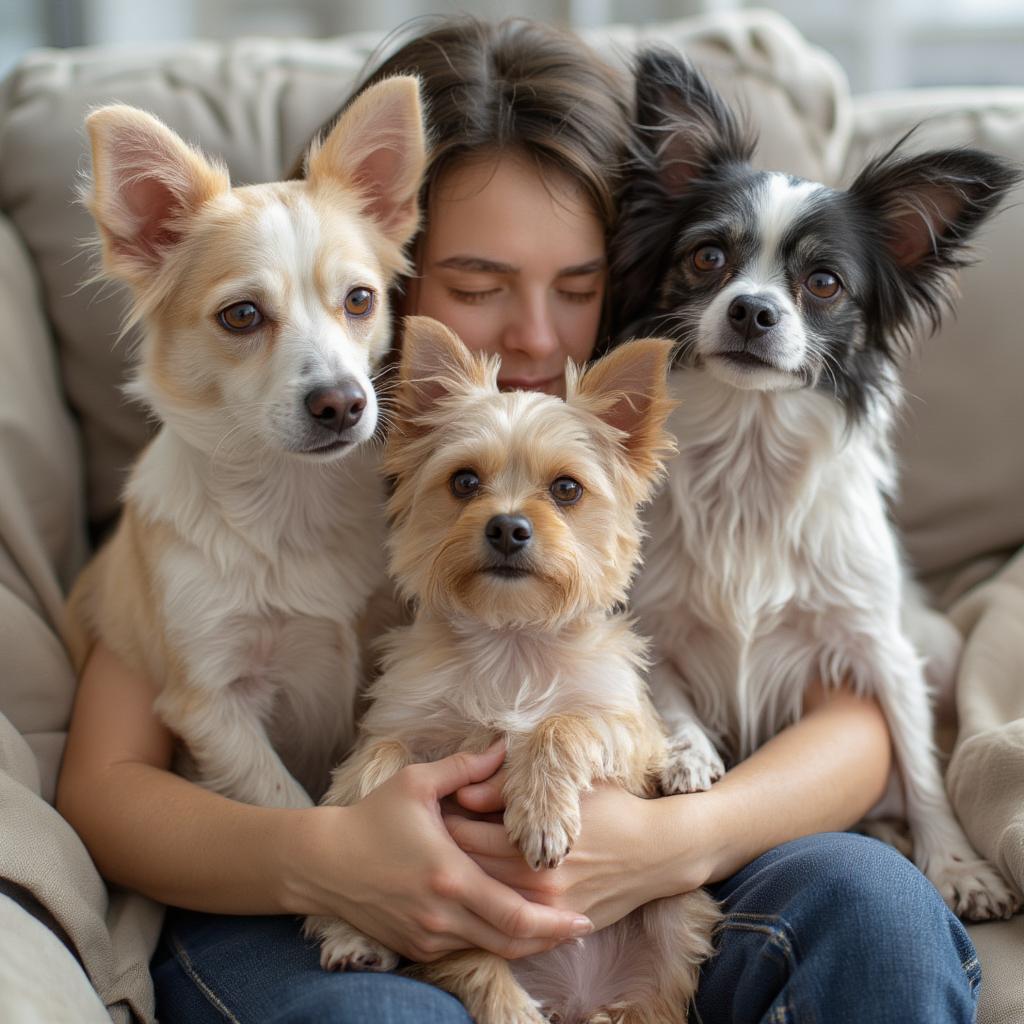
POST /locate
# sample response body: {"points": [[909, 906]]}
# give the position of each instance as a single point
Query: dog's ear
{"points": [[435, 363], [628, 390], [683, 126], [145, 185], [378, 147], [683, 132], [926, 209]]}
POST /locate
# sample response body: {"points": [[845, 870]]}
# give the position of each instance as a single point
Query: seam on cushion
{"points": [[181, 955]]}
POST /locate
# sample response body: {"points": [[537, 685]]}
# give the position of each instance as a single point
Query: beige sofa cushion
{"points": [[256, 103]]}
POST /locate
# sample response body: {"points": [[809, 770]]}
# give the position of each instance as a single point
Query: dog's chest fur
{"points": [[261, 574], [445, 684], [769, 552]]}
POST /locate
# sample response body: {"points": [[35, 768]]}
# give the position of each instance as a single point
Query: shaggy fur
{"points": [[520, 641], [247, 550], [772, 562]]}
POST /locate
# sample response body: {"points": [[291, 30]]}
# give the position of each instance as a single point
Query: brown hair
{"points": [[515, 85]]}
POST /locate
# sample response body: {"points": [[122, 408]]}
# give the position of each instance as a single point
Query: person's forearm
{"points": [[821, 774], [183, 845]]}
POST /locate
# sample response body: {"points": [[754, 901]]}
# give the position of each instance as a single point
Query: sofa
{"points": [[72, 949]]}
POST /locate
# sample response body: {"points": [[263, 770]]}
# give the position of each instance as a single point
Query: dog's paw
{"points": [[344, 948], [543, 835], [973, 889], [691, 764]]}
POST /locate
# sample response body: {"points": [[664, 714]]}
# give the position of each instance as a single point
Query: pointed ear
{"points": [[378, 146], [628, 390], [931, 204], [435, 363], [146, 183], [683, 125], [927, 208]]}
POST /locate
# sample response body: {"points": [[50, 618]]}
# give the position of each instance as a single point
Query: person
{"points": [[529, 129]]}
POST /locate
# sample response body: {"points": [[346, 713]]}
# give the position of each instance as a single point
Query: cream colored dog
{"points": [[250, 540]]}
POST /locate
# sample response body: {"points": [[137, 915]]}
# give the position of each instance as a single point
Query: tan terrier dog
{"points": [[516, 534]]}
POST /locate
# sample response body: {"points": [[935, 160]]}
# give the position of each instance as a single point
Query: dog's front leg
{"points": [[691, 762], [548, 770], [222, 728], [343, 947]]}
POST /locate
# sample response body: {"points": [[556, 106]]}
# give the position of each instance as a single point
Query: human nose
{"points": [[532, 328]]}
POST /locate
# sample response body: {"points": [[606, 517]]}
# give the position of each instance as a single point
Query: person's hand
{"points": [[620, 861], [388, 866]]}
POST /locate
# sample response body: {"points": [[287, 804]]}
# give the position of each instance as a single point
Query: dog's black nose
{"points": [[752, 315], [508, 534], [339, 407]]}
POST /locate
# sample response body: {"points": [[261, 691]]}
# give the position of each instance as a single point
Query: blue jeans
{"points": [[832, 929], [827, 929]]}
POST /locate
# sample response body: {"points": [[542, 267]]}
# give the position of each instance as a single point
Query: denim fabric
{"points": [[212, 969], [834, 929], [829, 929]]}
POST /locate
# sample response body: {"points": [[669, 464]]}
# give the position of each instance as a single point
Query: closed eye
{"points": [[472, 296], [581, 297]]}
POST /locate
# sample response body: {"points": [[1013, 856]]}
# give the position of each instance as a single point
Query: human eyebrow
{"points": [[477, 265], [583, 269]]}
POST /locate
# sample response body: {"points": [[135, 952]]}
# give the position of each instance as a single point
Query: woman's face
{"points": [[514, 263]]}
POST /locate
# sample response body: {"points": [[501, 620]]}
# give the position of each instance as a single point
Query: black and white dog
{"points": [[771, 561]]}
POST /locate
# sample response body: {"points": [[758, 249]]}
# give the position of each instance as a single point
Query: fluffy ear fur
{"points": [[146, 183], [435, 363], [683, 127], [927, 207], [378, 147], [628, 390]]}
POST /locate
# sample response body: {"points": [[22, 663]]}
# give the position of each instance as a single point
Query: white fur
{"points": [[771, 563], [782, 201], [444, 681], [270, 568]]}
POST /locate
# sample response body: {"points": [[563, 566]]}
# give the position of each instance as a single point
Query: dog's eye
{"points": [[566, 491], [708, 257], [359, 302], [240, 317], [464, 483], [823, 285]]}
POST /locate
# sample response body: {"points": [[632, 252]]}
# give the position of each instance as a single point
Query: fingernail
{"points": [[582, 926]]}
